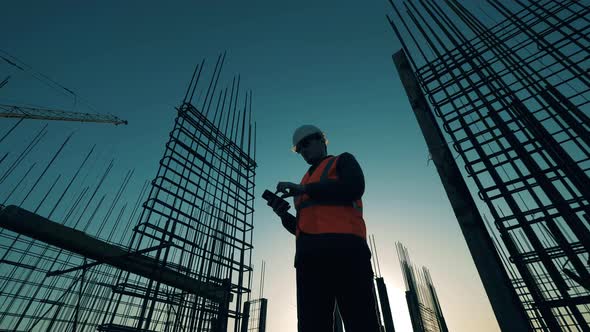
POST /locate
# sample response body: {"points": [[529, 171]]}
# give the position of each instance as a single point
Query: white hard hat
{"points": [[304, 131]]}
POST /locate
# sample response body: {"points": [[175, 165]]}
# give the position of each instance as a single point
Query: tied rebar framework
{"points": [[255, 310], [180, 263], [383, 307], [202, 201], [510, 89], [425, 311]]}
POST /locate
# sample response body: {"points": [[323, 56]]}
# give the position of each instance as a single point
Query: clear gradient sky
{"points": [[326, 63]]}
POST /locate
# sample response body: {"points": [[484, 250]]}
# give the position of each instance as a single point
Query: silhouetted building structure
{"points": [[508, 86], [179, 262], [255, 315], [425, 311], [255, 311], [383, 306]]}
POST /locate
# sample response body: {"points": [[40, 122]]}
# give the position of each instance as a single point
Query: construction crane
{"points": [[4, 81], [23, 112]]}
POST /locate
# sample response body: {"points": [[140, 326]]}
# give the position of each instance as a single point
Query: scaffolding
{"points": [[181, 260], [510, 90]]}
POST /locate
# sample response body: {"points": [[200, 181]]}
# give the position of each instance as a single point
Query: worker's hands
{"points": [[290, 189], [279, 206], [287, 189]]}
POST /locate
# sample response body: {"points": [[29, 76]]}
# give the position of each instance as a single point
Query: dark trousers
{"points": [[349, 282]]}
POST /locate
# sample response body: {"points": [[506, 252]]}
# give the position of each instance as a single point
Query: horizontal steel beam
{"points": [[39, 228], [119, 328], [579, 300], [89, 265]]}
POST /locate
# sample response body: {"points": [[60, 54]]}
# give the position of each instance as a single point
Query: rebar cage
{"points": [[196, 220], [425, 311], [256, 310], [510, 87], [201, 201]]}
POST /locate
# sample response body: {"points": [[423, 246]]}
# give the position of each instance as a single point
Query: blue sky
{"points": [[326, 63]]}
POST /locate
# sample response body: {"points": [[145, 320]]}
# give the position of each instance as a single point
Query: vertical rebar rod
{"points": [[11, 129]]}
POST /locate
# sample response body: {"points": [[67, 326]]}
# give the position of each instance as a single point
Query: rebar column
{"points": [[505, 304], [338, 327], [245, 317], [263, 309], [385, 307]]}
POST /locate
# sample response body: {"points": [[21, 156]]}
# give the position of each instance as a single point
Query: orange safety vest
{"points": [[316, 218]]}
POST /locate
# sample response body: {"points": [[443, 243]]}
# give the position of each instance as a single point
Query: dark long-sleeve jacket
{"points": [[349, 187]]}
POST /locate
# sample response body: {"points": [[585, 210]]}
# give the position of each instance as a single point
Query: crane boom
{"points": [[12, 111], [4, 81]]}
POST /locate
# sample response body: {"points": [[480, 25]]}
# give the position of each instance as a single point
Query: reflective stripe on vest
{"points": [[317, 218]]}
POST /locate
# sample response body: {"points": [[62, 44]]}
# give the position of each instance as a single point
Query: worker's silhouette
{"points": [[332, 257]]}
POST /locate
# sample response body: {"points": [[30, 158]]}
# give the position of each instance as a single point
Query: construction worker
{"points": [[332, 258]]}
